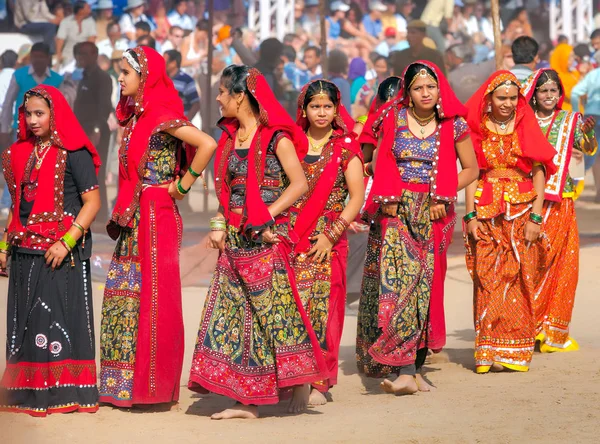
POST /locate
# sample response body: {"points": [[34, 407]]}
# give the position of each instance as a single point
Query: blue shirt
{"points": [[590, 86], [295, 75], [186, 87], [373, 27], [183, 21]]}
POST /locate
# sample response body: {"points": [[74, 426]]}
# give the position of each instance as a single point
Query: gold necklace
{"points": [[314, 147], [41, 150], [242, 139], [423, 122], [503, 123], [500, 134]]}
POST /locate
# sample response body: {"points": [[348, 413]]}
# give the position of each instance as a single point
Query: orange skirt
{"points": [[555, 295], [505, 270]]}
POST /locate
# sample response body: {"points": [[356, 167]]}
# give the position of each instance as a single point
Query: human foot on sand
{"points": [[422, 384], [316, 398], [239, 411], [299, 399], [403, 385], [497, 368]]}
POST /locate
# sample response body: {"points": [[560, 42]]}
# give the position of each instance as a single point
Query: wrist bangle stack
{"points": [[68, 241], [218, 224], [337, 228], [182, 190], [367, 171], [469, 216], [4, 247], [193, 173], [536, 218]]}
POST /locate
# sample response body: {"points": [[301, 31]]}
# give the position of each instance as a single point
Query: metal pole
{"points": [[497, 33], [206, 123], [322, 15]]}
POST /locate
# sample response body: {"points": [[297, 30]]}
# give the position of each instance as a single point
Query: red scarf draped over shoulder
{"points": [[533, 144], [342, 137], [387, 183], [47, 221], [564, 151], [155, 108], [368, 134], [272, 119]]}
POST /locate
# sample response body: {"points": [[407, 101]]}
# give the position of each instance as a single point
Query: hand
{"points": [[437, 211], [95, 138], [173, 192], [321, 249], [577, 156], [3, 261], [532, 232], [390, 209], [216, 240], [588, 125], [269, 237], [474, 228], [55, 255]]}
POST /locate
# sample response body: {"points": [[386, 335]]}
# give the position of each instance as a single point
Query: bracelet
{"points": [[182, 190], [367, 170], [361, 119], [3, 251], [4, 245], [79, 227], [218, 224], [336, 230], [64, 243], [193, 173], [470, 216], [69, 241], [536, 218]]}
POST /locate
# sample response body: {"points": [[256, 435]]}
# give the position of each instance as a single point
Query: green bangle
{"points": [[69, 240], [4, 245], [182, 190], [470, 216], [536, 218], [361, 119], [193, 173]]}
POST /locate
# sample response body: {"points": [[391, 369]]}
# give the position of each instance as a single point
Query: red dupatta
{"points": [[156, 107], [368, 134], [272, 119], [47, 221], [342, 137], [565, 137], [534, 145], [387, 183]]}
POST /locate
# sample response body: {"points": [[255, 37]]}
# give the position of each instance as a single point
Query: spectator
{"points": [[33, 17], [104, 16], [114, 42], [161, 23], [174, 39], [437, 16], [525, 55], [507, 58], [406, 9], [354, 31], [218, 65], [194, 48], [479, 23], [356, 77], [146, 40], [269, 59], [142, 29], [77, 28], [390, 43], [184, 84], [372, 21], [179, 17], [336, 19], [518, 25], [92, 108], [310, 20], [8, 61], [595, 40], [562, 39], [464, 76], [296, 76], [312, 60], [134, 13], [23, 55], [561, 61], [23, 80], [338, 71], [416, 32], [390, 18], [589, 88], [544, 55]]}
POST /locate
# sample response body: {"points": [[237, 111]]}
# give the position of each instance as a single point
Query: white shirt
{"points": [[5, 76], [167, 46], [473, 27], [183, 21], [106, 48], [127, 22]]}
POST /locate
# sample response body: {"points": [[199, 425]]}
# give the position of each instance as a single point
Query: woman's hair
{"points": [[30, 94], [234, 79], [549, 75], [414, 70], [388, 89], [321, 86], [380, 57], [358, 12], [338, 62]]}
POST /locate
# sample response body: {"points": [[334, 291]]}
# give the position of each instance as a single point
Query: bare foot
{"points": [[423, 385], [316, 398], [497, 368], [403, 385], [299, 399], [240, 411]]}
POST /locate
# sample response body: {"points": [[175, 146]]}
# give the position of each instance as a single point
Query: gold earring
{"points": [[534, 101], [303, 113], [410, 102], [489, 108]]}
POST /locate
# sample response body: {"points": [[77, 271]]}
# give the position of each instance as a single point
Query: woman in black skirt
{"points": [[51, 172]]}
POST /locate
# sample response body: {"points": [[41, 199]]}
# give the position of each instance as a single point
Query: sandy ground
{"points": [[557, 401]]}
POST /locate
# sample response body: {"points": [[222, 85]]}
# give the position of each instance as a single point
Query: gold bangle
{"points": [[79, 227]]}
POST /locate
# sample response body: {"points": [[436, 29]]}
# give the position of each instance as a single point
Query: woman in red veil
{"points": [[410, 207], [141, 339], [506, 256], [333, 168], [51, 172], [255, 341]]}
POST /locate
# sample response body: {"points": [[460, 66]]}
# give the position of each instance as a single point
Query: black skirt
{"points": [[51, 364]]}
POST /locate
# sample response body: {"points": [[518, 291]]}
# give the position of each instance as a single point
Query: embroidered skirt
{"points": [[51, 365], [255, 339], [142, 340]]}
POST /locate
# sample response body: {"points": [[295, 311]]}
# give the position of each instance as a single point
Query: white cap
{"points": [[339, 6], [377, 6]]}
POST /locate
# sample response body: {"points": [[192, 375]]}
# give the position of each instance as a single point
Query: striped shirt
{"points": [[186, 87]]}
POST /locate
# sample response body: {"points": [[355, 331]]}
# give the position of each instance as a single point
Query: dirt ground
{"points": [[557, 401]]}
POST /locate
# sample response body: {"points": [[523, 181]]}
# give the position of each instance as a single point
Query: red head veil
{"points": [[368, 135], [155, 107], [529, 86], [444, 181], [342, 137], [533, 143], [65, 130], [272, 119]]}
